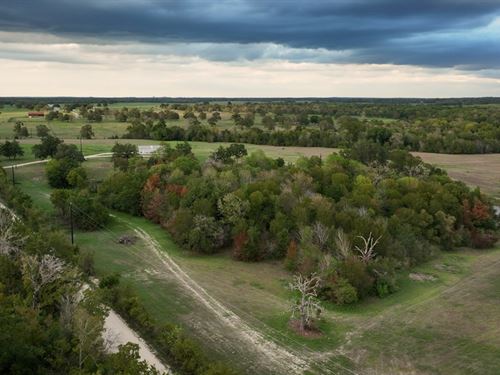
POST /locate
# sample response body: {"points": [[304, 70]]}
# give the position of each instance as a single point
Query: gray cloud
{"points": [[441, 33]]}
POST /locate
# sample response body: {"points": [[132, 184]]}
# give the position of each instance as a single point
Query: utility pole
{"points": [[71, 222], [13, 176]]}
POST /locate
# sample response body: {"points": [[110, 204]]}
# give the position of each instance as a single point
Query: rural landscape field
{"points": [[194, 188]]}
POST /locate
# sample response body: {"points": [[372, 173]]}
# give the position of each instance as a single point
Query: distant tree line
{"points": [[456, 130]]}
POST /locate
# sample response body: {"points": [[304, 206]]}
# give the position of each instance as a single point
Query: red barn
{"points": [[35, 114]]}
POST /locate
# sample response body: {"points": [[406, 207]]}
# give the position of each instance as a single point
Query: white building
{"points": [[148, 150]]}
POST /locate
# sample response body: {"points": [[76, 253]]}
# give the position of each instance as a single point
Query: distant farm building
{"points": [[35, 114], [148, 150]]}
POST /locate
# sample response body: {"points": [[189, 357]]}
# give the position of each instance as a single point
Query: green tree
{"points": [[77, 177], [69, 152], [122, 153], [206, 235], [42, 130], [268, 122], [128, 361], [122, 191], [20, 130], [57, 170], [47, 147], [229, 154], [11, 150], [86, 132]]}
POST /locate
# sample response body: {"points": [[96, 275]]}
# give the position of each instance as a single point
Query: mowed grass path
{"points": [[444, 326]]}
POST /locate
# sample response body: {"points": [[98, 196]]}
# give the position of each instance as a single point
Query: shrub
{"points": [[180, 224], [57, 171], [343, 292], [356, 272], [291, 256], [383, 270], [206, 234], [483, 239]]}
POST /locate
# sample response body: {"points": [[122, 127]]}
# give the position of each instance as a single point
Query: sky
{"points": [[250, 48]]}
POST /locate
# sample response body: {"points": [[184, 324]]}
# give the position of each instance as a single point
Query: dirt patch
{"points": [[127, 239], [447, 268], [117, 332], [422, 277], [311, 333]]}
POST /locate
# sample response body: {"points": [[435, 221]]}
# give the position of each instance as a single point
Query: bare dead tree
{"points": [[321, 234], [367, 252], [343, 244], [87, 329], [306, 306], [10, 242], [68, 306], [380, 171], [325, 263], [41, 271], [416, 170]]}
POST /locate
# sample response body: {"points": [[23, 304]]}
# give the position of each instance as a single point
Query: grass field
{"points": [[448, 325], [106, 129], [474, 170], [201, 149]]}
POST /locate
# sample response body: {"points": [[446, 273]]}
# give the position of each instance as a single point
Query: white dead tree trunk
{"points": [[10, 242], [367, 252], [306, 305], [325, 263], [87, 329], [321, 235], [342, 244], [41, 271], [68, 306]]}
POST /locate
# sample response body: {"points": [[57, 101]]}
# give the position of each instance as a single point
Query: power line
{"points": [[112, 234], [449, 290]]}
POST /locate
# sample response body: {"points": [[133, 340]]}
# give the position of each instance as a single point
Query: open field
{"points": [[201, 149], [443, 326], [474, 170], [106, 129]]}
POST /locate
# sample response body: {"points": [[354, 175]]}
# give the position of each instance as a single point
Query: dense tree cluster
{"points": [[428, 128], [443, 126], [52, 322], [58, 115], [64, 169], [48, 325], [353, 219]]}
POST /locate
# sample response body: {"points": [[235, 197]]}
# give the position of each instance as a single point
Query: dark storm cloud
{"points": [[418, 32]]}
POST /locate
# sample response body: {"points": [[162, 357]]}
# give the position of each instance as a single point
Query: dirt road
{"points": [[94, 156], [117, 332], [272, 358]]}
